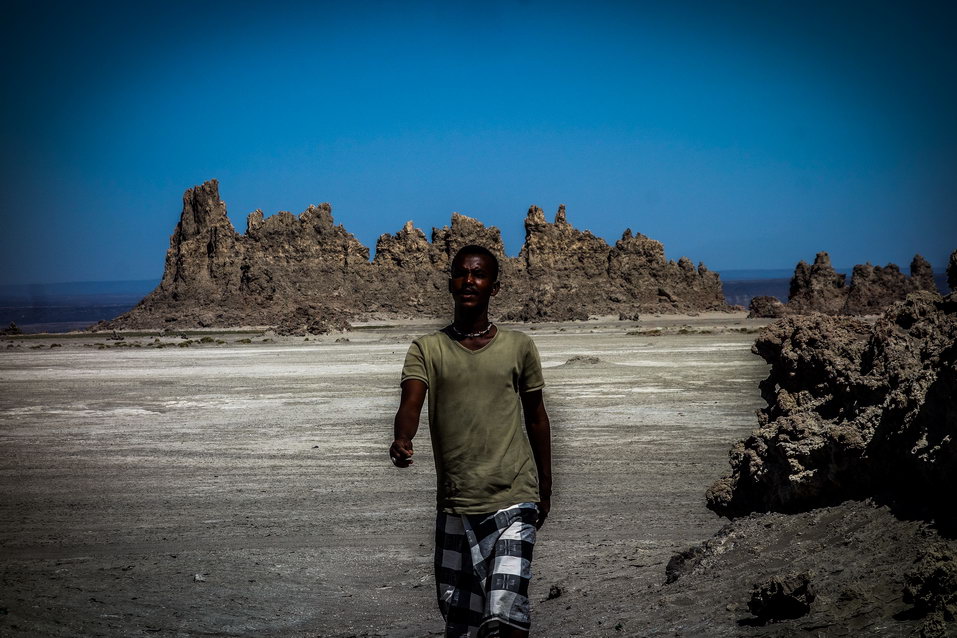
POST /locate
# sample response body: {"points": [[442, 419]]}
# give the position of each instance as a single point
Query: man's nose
{"points": [[469, 277]]}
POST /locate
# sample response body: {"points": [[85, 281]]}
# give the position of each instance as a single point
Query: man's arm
{"points": [[407, 421], [540, 436]]}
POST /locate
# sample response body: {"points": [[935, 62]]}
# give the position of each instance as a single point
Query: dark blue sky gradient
{"points": [[746, 135]]}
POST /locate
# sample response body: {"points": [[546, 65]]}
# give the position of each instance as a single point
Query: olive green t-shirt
{"points": [[483, 459]]}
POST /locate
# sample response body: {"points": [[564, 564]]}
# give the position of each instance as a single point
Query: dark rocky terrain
{"points": [[304, 272], [854, 411], [754, 577]]}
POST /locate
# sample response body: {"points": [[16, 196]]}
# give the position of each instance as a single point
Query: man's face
{"points": [[472, 281]]}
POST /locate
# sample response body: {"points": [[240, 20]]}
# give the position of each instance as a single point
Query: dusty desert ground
{"points": [[244, 489]]}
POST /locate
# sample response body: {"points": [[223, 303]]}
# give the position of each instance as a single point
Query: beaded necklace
{"points": [[472, 334]]}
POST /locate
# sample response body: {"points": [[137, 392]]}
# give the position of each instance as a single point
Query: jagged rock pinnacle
{"points": [[952, 272], [560, 216]]}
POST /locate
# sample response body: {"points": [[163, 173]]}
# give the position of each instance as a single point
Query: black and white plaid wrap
{"points": [[483, 564]]}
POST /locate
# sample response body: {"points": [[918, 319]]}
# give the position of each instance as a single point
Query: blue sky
{"points": [[741, 134]]}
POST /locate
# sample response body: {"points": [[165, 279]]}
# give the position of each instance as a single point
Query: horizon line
{"points": [[938, 270]]}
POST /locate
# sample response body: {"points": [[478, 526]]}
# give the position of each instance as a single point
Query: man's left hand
{"points": [[544, 506]]}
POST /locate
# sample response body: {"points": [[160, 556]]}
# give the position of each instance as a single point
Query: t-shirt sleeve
{"points": [[414, 367], [531, 378]]}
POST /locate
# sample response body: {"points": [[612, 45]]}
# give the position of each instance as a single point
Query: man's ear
{"points": [[495, 288], [450, 284]]}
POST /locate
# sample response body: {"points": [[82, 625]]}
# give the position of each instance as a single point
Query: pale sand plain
{"points": [[245, 489]]}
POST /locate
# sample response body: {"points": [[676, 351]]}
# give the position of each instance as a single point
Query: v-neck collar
{"points": [[494, 338]]}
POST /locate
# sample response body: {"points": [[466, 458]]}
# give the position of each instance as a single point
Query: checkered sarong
{"points": [[483, 563]]}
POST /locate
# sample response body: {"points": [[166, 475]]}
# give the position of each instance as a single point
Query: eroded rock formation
{"points": [[304, 272], [819, 288], [854, 410]]}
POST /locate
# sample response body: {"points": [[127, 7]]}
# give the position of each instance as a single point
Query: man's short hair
{"points": [[475, 249]]}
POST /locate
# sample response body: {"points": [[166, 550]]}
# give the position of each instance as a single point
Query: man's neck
{"points": [[467, 322]]}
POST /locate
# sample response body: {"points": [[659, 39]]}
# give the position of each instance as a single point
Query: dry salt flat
{"points": [[244, 489]]}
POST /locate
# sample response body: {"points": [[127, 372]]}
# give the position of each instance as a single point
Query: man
{"points": [[493, 483]]}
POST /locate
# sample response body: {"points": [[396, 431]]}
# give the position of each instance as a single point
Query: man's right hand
{"points": [[401, 452]]}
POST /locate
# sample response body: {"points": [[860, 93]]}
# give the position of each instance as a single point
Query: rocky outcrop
{"points": [[816, 288], [12, 330], [571, 274], [408, 273], [307, 320], [932, 588], [305, 272], [819, 288], [782, 597], [766, 307], [559, 258], [921, 275], [873, 288], [853, 410], [217, 277]]}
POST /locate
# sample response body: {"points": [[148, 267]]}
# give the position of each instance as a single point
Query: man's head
{"points": [[476, 250], [473, 276]]}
